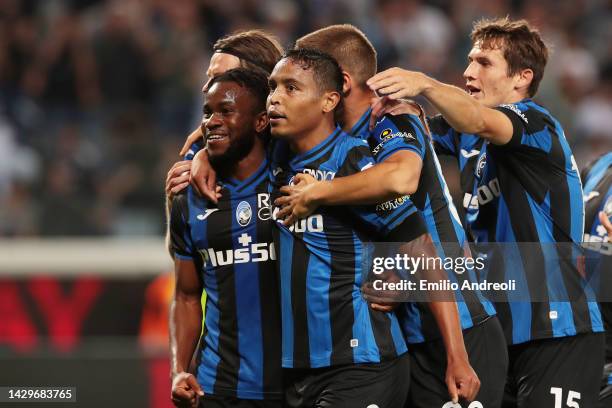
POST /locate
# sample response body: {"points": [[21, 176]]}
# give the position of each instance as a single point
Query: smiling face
{"points": [[229, 123], [487, 77], [296, 104], [220, 63]]}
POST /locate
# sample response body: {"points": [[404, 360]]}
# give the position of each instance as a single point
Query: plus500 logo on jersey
{"points": [[312, 223], [484, 194], [258, 252]]}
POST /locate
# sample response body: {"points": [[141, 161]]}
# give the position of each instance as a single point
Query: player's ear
{"points": [[330, 101], [347, 83], [261, 121], [524, 78]]}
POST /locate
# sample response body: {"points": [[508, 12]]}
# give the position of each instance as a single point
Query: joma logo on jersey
{"points": [[259, 252], [485, 194], [392, 204]]}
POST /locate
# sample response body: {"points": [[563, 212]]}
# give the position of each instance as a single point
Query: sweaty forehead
{"points": [[226, 92]]}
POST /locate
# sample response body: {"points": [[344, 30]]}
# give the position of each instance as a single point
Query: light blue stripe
{"points": [[540, 140], [563, 324], [317, 305], [285, 266], [513, 269], [209, 358], [574, 185], [362, 326], [598, 171], [411, 324]]}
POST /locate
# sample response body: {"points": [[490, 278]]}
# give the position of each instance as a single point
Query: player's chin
{"points": [[279, 132], [217, 152]]}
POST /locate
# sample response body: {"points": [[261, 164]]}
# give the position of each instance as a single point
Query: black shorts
{"points": [[220, 401], [488, 354], [376, 385], [551, 373]]}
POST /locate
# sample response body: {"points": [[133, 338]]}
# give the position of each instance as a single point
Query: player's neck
{"points": [[246, 167], [313, 137], [356, 103], [514, 97]]}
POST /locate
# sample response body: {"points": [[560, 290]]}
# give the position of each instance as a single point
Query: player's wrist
{"points": [[457, 356], [428, 84], [318, 193]]}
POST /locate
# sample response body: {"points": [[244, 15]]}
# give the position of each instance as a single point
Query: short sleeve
{"points": [[530, 127], [395, 133], [397, 219], [180, 234]]}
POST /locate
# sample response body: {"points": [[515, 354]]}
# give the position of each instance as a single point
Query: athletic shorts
{"points": [[220, 401], [552, 373], [488, 355], [375, 385]]}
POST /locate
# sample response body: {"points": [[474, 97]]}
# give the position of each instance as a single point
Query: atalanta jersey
{"points": [[433, 200], [325, 320], [597, 179], [527, 191], [232, 245]]}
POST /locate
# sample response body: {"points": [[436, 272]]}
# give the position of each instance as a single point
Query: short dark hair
{"points": [[326, 71], [348, 45], [256, 49], [521, 44], [254, 81]]}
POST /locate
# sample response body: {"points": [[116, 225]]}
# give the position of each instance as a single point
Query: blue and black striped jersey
{"points": [[433, 200], [231, 244], [597, 179], [527, 191], [325, 320]]}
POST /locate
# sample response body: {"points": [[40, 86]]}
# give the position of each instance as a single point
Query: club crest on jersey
{"points": [[244, 213]]}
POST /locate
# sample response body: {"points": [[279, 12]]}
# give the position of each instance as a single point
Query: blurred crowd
{"points": [[97, 96]]}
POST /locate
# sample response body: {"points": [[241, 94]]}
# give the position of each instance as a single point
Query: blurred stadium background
{"points": [[96, 98]]}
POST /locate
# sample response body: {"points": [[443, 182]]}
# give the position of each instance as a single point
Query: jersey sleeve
{"points": [[396, 220], [180, 233], [530, 127], [394, 133], [196, 147], [443, 136]]}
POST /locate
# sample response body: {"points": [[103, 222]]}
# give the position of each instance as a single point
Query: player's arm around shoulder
{"points": [[359, 181]]}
